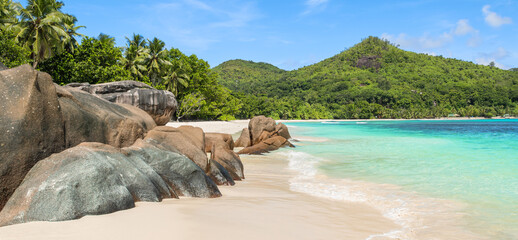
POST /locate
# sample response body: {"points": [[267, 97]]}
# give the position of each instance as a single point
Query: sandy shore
{"points": [[261, 207]]}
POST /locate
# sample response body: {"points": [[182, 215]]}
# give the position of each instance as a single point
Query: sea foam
{"points": [[419, 217]]}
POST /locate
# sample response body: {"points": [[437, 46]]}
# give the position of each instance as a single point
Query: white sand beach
{"points": [[260, 207]]}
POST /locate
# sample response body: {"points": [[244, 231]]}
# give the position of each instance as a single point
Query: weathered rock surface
{"points": [[39, 118], [109, 88], [257, 125], [221, 147], [268, 145], [159, 104], [282, 130], [88, 118], [179, 172], [189, 141], [244, 139], [95, 178], [31, 124], [265, 136], [218, 138], [229, 160], [3, 67]]}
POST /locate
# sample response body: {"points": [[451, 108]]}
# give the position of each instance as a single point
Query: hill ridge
{"points": [[373, 79]]}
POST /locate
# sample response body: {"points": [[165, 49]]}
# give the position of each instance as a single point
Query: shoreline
{"points": [[276, 200], [262, 206], [240, 122]]}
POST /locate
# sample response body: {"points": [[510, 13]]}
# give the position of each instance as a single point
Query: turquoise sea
{"points": [[448, 178]]}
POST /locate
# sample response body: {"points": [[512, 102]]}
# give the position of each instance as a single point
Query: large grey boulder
{"points": [[268, 145], [179, 172], [258, 125], [160, 104], [94, 178], [282, 130], [39, 118], [263, 135], [109, 88], [88, 118], [221, 147], [31, 124], [244, 139], [218, 138], [190, 141], [229, 160]]}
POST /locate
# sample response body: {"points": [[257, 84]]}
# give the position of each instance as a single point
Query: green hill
{"points": [[373, 79], [241, 75]]}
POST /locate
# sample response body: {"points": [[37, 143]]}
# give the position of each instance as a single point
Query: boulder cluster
{"points": [[159, 104], [263, 135], [66, 152]]}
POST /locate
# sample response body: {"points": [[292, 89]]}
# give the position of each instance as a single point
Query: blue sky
{"points": [[292, 34]]}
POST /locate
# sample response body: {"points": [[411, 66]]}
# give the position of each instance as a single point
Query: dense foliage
{"points": [[94, 61], [11, 54], [373, 79], [46, 37], [42, 28]]}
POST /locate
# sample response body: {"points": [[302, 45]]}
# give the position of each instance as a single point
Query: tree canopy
{"points": [[373, 79]]}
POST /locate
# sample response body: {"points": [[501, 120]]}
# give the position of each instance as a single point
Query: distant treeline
{"points": [[373, 79]]}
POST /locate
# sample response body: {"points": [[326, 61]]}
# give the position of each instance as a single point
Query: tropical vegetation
{"points": [[373, 79], [41, 34]]}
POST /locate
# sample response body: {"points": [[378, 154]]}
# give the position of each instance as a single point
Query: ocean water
{"points": [[450, 179]]}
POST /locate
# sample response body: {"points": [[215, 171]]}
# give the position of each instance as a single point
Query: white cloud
{"points": [[463, 28], [487, 61], [314, 5], [421, 43], [493, 19], [427, 41], [498, 54]]}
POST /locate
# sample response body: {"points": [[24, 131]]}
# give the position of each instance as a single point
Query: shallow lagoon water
{"points": [[466, 170]]}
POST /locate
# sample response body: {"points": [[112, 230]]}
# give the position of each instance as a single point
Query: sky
{"points": [[295, 33]]}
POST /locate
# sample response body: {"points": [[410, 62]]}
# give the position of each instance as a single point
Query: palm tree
{"points": [[134, 62], [135, 56], [42, 29], [138, 41], [9, 10], [177, 76], [106, 39], [70, 43], [156, 60]]}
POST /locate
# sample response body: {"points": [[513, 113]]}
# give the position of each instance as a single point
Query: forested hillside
{"points": [[373, 79], [241, 76]]}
